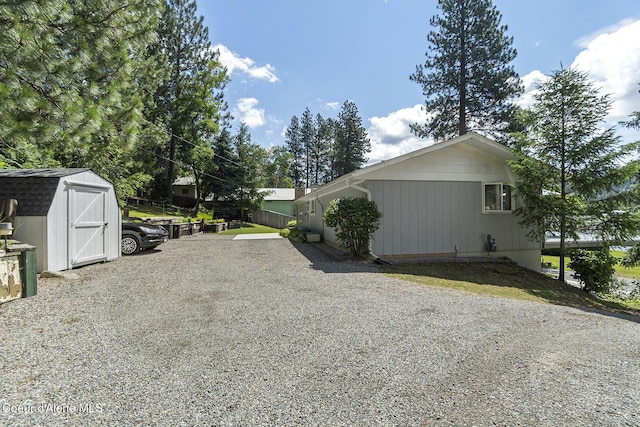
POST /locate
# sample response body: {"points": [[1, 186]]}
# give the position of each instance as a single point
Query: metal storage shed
{"points": [[70, 215]]}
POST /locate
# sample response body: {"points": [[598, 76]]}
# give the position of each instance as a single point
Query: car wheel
{"points": [[130, 244]]}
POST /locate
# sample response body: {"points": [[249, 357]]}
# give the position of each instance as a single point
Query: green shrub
{"points": [[292, 224], [594, 269], [354, 220], [296, 235], [293, 234]]}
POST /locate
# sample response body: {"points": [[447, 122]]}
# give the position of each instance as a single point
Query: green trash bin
{"points": [[28, 269], [28, 273]]}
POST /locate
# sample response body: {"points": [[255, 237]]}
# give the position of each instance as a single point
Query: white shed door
{"points": [[87, 215]]}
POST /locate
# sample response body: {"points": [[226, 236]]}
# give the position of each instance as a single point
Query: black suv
{"points": [[137, 236]]}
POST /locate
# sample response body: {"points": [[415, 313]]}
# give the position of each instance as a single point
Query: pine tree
{"points": [[68, 84], [467, 78], [331, 130], [223, 178], [293, 143], [351, 141], [320, 150], [307, 139], [187, 101], [250, 176], [277, 168], [575, 175]]}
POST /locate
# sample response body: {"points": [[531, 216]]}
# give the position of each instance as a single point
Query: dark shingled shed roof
{"points": [[34, 189]]}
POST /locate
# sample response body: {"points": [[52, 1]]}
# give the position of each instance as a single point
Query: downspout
{"points": [[368, 193], [322, 210]]}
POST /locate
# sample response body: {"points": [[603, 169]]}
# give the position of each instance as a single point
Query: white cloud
{"points": [[246, 111], [530, 83], [234, 62], [332, 106], [611, 58], [391, 135]]}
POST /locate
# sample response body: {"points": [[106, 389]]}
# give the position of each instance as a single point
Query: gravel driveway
{"points": [[212, 331]]}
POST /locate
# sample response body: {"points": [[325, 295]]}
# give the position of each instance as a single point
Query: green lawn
{"points": [[620, 270], [146, 211], [248, 228], [506, 281]]}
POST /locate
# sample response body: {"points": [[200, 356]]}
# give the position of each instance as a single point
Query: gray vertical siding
{"points": [[434, 217], [315, 222]]}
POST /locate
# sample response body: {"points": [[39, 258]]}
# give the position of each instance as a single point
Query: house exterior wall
{"points": [[184, 191], [313, 221], [456, 163], [444, 218], [284, 207], [432, 203]]}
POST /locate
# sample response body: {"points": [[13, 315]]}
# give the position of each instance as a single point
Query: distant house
{"points": [[184, 192], [280, 199], [185, 186], [277, 206], [451, 199]]}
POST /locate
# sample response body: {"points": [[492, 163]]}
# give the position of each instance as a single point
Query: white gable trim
{"points": [[384, 169]]}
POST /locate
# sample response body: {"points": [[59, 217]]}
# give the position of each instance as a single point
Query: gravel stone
{"points": [[207, 330]]}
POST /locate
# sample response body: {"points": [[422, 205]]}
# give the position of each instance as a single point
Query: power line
{"points": [[191, 143], [179, 163]]}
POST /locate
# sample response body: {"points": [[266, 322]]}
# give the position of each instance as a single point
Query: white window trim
{"points": [[311, 207], [496, 211]]}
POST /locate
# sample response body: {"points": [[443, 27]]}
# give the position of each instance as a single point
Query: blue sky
{"points": [[286, 55]]}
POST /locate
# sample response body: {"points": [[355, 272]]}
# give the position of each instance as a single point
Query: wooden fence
{"points": [[272, 219]]}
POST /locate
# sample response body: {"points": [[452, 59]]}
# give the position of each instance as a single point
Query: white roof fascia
{"points": [[474, 139], [331, 187], [278, 194]]}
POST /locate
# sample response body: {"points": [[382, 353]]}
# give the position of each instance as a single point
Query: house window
{"points": [[185, 191], [497, 197], [311, 207]]}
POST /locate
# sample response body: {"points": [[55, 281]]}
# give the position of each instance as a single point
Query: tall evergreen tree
{"points": [[351, 141], [330, 131], [319, 151], [187, 101], [250, 175], [277, 168], [69, 94], [307, 139], [222, 181], [293, 142], [467, 78], [575, 175]]}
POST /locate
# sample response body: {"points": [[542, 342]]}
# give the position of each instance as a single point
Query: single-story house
{"points": [[185, 186], [280, 200], [184, 192], [277, 206], [71, 216], [450, 199]]}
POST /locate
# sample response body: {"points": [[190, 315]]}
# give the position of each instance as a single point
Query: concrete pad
{"points": [[258, 236]]}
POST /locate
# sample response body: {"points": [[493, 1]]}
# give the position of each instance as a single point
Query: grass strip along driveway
{"points": [[508, 281]]}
